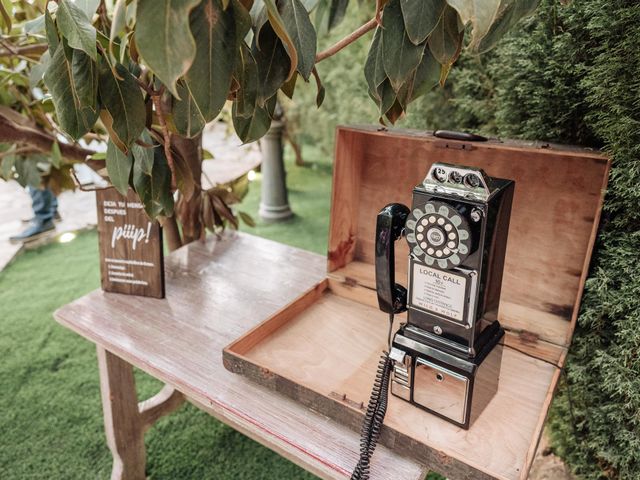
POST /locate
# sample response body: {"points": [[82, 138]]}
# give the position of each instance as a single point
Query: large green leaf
{"points": [[328, 14], [423, 79], [480, 13], [510, 13], [280, 29], [273, 63], [242, 19], [254, 127], [89, 7], [51, 32], [400, 55], [164, 39], [421, 17], [69, 85], [374, 67], [119, 21], [154, 190], [246, 74], [206, 85], [32, 27], [297, 22], [85, 71], [337, 11], [76, 28], [446, 40], [38, 69], [118, 167], [143, 154], [122, 98], [387, 97], [427, 75]]}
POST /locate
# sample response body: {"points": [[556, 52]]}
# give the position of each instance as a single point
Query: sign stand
{"points": [[130, 243]]}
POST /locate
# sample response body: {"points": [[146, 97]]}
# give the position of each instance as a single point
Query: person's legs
{"points": [[37, 200], [41, 201]]}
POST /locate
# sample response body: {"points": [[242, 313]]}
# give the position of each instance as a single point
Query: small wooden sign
{"points": [[131, 257]]}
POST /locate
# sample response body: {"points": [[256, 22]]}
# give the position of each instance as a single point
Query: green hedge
{"points": [[569, 74], [572, 74]]}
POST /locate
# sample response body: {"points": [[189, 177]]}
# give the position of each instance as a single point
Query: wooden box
{"points": [[323, 349]]}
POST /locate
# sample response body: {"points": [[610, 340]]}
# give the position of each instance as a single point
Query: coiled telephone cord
{"points": [[374, 416]]}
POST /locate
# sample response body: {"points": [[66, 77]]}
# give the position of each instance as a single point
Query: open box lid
{"points": [[322, 349], [555, 215]]}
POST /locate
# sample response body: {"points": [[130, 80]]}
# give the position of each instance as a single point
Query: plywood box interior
{"points": [[323, 348]]}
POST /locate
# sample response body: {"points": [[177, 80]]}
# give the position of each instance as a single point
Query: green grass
{"points": [[309, 196]]}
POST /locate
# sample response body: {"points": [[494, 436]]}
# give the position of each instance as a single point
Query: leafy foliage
{"points": [[596, 422], [142, 74]]}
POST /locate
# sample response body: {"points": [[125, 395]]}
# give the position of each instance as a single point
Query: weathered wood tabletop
{"points": [[215, 292]]}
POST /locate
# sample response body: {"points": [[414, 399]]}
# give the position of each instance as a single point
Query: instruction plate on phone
{"points": [[439, 291]]}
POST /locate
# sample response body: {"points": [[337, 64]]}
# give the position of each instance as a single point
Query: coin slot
{"points": [[455, 177], [440, 174], [471, 180]]}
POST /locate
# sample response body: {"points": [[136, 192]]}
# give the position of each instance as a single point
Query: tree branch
{"points": [[12, 132], [35, 49], [156, 98], [348, 40]]}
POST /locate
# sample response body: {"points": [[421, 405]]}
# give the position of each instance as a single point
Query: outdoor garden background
{"points": [[570, 74]]}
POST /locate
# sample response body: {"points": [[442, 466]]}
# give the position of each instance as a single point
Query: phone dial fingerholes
{"points": [[432, 219], [451, 244], [430, 251], [446, 251], [420, 228], [441, 221], [448, 227], [423, 245], [452, 236], [438, 253], [420, 236]]}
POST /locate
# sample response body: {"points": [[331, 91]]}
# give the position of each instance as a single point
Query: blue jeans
{"points": [[44, 204]]}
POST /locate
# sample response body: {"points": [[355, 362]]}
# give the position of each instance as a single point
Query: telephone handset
{"points": [[392, 297]]}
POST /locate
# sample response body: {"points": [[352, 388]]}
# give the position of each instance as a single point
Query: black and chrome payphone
{"points": [[446, 358]]}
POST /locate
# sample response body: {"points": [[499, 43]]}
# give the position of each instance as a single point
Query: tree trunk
{"points": [[188, 211], [172, 233]]}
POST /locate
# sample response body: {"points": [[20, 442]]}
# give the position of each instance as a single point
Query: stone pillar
{"points": [[274, 201]]}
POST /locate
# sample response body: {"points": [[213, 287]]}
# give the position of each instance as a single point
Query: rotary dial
{"points": [[438, 234]]}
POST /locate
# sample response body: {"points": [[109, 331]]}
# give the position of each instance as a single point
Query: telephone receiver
{"points": [[392, 297]]}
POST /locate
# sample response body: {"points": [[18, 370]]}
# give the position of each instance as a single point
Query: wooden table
{"points": [[215, 292]]}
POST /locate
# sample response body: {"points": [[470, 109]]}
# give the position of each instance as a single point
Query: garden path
{"points": [[77, 209]]}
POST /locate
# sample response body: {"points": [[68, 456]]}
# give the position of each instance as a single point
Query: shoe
{"points": [[33, 232], [56, 218]]}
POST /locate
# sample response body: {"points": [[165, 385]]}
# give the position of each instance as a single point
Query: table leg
{"points": [[122, 421]]}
